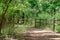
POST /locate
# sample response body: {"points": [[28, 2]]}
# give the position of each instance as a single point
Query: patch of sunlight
{"points": [[42, 31], [21, 28]]}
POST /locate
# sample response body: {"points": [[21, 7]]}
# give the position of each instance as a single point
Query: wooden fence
{"points": [[38, 23]]}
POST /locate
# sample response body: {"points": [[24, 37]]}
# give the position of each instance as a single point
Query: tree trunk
{"points": [[3, 16]]}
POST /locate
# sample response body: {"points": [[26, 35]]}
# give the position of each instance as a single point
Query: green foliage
{"points": [[58, 29], [44, 16], [32, 9], [45, 6]]}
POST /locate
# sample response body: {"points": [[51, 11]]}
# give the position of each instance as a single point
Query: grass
{"points": [[20, 28], [57, 29]]}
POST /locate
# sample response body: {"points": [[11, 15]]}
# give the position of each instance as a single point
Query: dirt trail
{"points": [[39, 34]]}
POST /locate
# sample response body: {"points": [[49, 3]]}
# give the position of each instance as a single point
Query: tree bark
{"points": [[3, 19]]}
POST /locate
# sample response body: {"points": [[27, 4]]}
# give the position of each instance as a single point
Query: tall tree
{"points": [[3, 19]]}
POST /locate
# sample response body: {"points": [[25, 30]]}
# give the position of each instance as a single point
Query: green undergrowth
{"points": [[57, 29]]}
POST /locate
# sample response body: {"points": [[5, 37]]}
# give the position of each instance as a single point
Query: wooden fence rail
{"points": [[38, 22]]}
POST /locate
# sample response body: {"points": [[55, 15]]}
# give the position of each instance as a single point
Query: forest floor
{"points": [[40, 34], [35, 34]]}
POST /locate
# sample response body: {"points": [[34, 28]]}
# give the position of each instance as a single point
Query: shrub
{"points": [[58, 29]]}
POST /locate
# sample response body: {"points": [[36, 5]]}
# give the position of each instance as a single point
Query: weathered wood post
{"points": [[54, 20], [37, 23]]}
